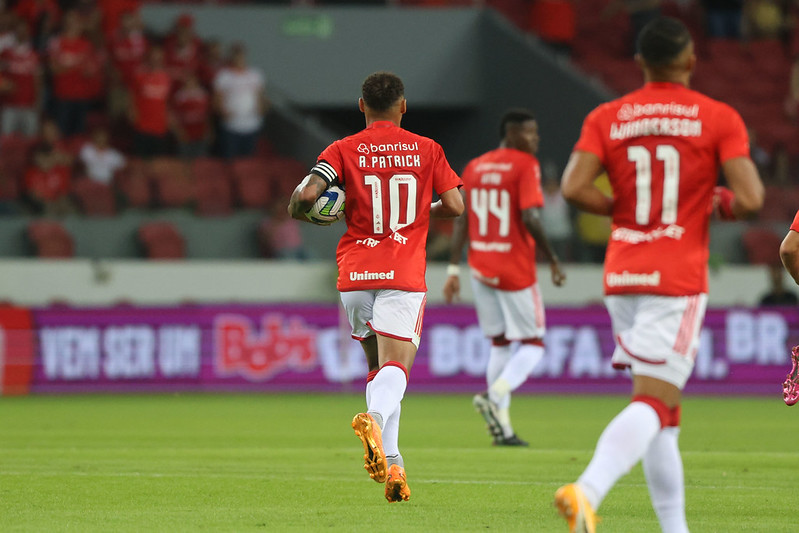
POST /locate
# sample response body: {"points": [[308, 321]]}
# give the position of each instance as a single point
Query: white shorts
{"points": [[657, 336], [517, 314], [389, 312]]}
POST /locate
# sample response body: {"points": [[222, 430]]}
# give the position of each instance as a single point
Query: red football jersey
{"points": [[72, 55], [22, 66], [151, 96], [499, 185], [192, 109], [795, 224], [389, 175], [662, 147]]}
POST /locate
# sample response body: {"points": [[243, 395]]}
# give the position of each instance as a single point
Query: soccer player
{"points": [[789, 253], [502, 190], [662, 147], [389, 176]]}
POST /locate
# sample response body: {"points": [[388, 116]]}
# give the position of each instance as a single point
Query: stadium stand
{"points": [[161, 240], [50, 240], [94, 199]]}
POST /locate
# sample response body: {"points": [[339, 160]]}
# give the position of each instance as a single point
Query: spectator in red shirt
{"points": [[149, 111], [47, 182], [41, 16], [72, 66], [213, 60], [192, 119], [22, 104], [112, 13], [128, 49], [183, 50]]}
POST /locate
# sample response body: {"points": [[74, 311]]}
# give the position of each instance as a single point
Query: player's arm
{"points": [[531, 217], [789, 253], [747, 192], [578, 186], [304, 196], [450, 204], [460, 232]]}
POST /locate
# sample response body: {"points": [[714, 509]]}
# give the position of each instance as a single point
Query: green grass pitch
{"points": [[291, 463]]}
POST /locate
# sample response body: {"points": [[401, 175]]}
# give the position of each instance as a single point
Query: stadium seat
{"points": [[285, 174], [161, 240], [762, 246], [134, 185], [253, 184], [50, 240], [93, 198], [212, 195], [171, 182]]}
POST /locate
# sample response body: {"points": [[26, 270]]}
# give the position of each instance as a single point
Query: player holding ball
{"points": [[389, 176]]}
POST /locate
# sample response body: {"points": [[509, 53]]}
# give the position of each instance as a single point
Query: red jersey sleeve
{"points": [[530, 194], [591, 136], [330, 165], [733, 137], [444, 178], [795, 224]]}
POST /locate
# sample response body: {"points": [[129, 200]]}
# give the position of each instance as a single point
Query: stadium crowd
{"points": [[98, 114]]}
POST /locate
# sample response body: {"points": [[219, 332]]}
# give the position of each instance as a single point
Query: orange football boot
{"points": [[397, 488], [574, 507], [374, 457]]}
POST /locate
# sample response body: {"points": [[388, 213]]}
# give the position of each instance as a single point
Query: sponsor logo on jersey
{"points": [[399, 238], [632, 236], [368, 276], [494, 167], [667, 127], [368, 242], [631, 111], [491, 246], [388, 147], [633, 279]]}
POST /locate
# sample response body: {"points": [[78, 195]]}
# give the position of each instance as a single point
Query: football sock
{"points": [[622, 444], [503, 415], [516, 371], [664, 476], [388, 388], [391, 433], [498, 357]]}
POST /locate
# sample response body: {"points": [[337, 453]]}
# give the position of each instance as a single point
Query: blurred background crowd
{"points": [[99, 115]]}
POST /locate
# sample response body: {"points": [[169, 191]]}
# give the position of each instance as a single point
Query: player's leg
{"points": [[523, 313], [667, 331], [398, 322], [492, 323], [359, 306], [664, 475]]}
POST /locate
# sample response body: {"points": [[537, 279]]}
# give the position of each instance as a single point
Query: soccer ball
{"points": [[328, 208]]}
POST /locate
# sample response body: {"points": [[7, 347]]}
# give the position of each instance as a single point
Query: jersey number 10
{"points": [[396, 184], [642, 157]]}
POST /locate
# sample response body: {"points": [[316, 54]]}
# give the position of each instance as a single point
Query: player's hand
{"points": [[722, 203], [558, 275], [452, 289]]}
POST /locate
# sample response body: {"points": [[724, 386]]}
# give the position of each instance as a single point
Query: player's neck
{"points": [[372, 118]]}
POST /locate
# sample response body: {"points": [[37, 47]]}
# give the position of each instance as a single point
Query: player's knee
{"points": [[499, 340], [669, 417]]}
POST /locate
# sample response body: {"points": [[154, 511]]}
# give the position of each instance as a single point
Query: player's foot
{"points": [[488, 410], [574, 507], [397, 488], [790, 387], [513, 440], [374, 458]]}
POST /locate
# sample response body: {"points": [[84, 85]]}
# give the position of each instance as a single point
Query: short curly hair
{"points": [[382, 90], [662, 41]]}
